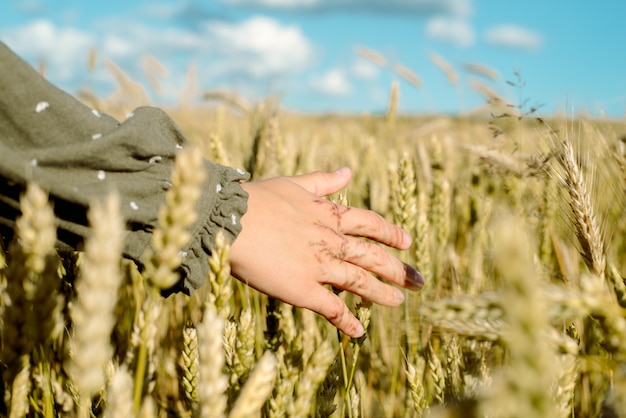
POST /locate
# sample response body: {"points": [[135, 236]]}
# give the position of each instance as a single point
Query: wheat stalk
{"points": [[392, 108]]}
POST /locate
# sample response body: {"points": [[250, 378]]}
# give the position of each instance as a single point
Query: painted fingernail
{"points": [[413, 280]]}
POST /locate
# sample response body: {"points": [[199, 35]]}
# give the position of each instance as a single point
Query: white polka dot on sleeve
{"points": [[41, 106]]}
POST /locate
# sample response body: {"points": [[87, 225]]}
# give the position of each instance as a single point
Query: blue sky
{"points": [[317, 54]]}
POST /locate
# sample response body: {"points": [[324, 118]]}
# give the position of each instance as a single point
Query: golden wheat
{"points": [[519, 317]]}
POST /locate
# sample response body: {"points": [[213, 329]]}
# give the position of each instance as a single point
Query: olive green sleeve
{"points": [[78, 155]]}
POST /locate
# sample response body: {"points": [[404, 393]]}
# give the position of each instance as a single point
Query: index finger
{"points": [[368, 224]]}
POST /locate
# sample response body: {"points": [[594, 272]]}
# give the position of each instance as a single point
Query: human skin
{"points": [[294, 241]]}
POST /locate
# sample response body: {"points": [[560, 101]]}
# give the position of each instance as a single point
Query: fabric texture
{"points": [[79, 155]]}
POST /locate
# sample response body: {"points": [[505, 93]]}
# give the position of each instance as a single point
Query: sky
{"points": [[337, 55]]}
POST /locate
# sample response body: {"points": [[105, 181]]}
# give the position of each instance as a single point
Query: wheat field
{"points": [[519, 227]]}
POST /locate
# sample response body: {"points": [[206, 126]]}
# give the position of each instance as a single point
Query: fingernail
{"points": [[359, 331], [398, 295], [407, 239], [342, 171], [413, 279]]}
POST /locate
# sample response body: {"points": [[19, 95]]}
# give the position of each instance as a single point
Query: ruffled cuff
{"points": [[223, 202]]}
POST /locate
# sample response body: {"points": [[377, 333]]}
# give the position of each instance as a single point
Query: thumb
{"points": [[324, 183]]}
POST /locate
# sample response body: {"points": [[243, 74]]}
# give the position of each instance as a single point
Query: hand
{"points": [[294, 241]]}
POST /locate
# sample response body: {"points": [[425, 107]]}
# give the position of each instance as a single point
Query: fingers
{"points": [[358, 281], [342, 243], [331, 307], [353, 221], [375, 259], [323, 183], [365, 223]]}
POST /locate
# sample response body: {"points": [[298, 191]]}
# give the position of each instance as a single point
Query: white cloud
{"points": [[63, 49], [364, 70], [258, 47], [424, 7], [514, 36], [261, 46], [456, 31], [245, 53], [334, 82]]}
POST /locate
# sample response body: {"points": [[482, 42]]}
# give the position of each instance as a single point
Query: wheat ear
{"points": [[212, 382], [175, 217], [245, 341], [435, 372], [29, 298], [417, 400], [191, 364], [524, 389], [20, 390], [219, 276], [97, 286], [584, 215], [444, 66], [289, 363], [257, 388], [119, 394], [312, 377]]}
